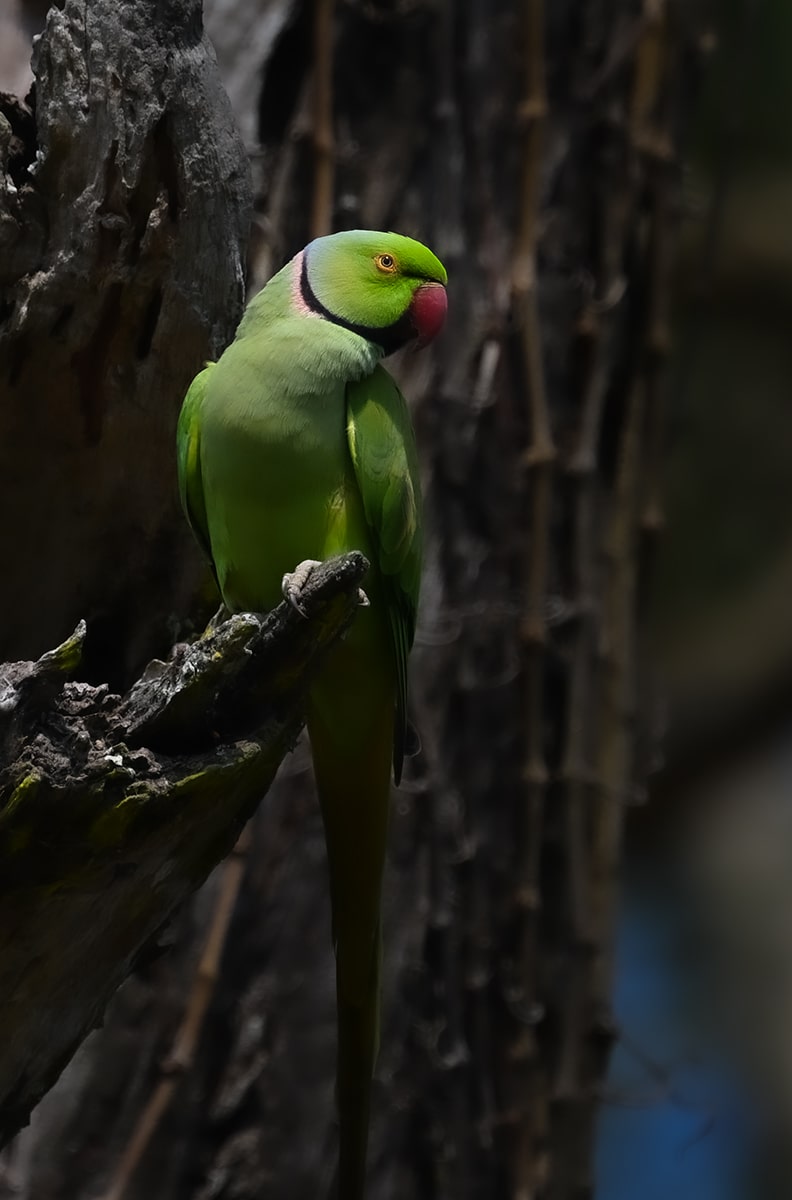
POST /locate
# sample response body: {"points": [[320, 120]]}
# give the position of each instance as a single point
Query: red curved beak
{"points": [[428, 311]]}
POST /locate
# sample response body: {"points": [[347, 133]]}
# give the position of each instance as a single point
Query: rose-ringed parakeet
{"points": [[294, 446]]}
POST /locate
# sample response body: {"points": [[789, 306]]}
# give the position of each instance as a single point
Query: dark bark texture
{"points": [[113, 809], [534, 147], [124, 205]]}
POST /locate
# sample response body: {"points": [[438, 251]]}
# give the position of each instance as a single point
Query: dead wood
{"points": [[113, 809]]}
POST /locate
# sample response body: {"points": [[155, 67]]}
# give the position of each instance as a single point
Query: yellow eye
{"points": [[386, 263]]}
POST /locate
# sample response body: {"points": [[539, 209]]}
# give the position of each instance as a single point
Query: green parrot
{"points": [[294, 446]]}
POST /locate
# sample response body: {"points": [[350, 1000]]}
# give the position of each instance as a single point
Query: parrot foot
{"points": [[294, 581]]}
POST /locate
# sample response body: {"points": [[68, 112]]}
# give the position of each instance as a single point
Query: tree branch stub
{"points": [[113, 809]]}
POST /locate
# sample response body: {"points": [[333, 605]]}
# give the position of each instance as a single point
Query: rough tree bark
{"points": [[114, 809], [534, 147], [124, 205]]}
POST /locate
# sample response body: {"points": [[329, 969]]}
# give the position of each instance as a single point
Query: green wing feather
{"points": [[188, 458], [382, 445]]}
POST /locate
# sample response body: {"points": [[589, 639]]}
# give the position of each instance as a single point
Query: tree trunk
{"points": [[534, 147], [124, 205]]}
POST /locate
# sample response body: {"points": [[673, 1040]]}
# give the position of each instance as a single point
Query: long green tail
{"points": [[358, 1044], [353, 780]]}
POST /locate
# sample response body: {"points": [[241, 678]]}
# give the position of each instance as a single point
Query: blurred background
{"points": [[697, 1100], [589, 977]]}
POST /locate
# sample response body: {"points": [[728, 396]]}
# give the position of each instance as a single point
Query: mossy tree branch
{"points": [[113, 809]]}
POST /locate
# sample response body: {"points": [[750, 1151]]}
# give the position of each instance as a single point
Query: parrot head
{"points": [[388, 288]]}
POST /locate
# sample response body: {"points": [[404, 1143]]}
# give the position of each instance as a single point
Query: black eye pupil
{"points": [[386, 260]]}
